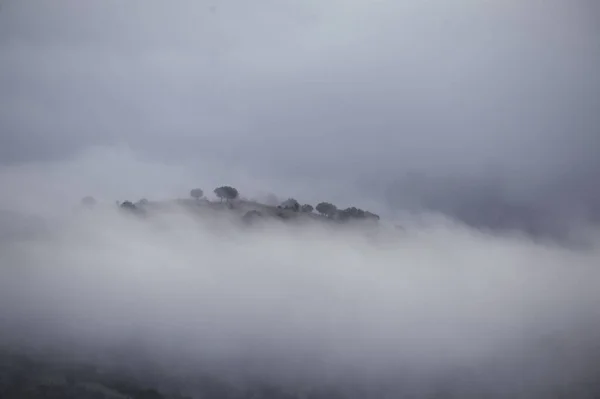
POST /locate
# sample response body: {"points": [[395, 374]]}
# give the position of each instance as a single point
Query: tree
{"points": [[142, 202], [370, 215], [307, 208], [251, 216], [226, 193], [356, 213], [352, 212], [326, 209], [196, 193], [290, 204], [128, 205]]}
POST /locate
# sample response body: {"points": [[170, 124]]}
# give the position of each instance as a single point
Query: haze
{"points": [[433, 114]]}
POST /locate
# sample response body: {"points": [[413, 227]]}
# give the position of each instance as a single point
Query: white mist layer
{"points": [[302, 300]]}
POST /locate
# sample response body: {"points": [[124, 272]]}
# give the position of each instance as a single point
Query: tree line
{"points": [[229, 195]]}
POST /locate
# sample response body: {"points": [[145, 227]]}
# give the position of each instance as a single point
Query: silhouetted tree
{"points": [[251, 216], [356, 213], [352, 212], [327, 209], [290, 204], [307, 208], [131, 207], [227, 193], [370, 215], [128, 205], [196, 193]]}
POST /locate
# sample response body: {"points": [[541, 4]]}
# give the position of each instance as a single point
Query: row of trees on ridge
{"points": [[230, 194], [327, 209]]}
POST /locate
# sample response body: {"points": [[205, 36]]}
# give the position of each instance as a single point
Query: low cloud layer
{"points": [[436, 305], [481, 110]]}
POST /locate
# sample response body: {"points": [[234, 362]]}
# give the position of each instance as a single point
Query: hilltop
{"points": [[229, 200]]}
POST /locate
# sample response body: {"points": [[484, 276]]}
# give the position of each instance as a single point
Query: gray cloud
{"points": [[491, 103], [372, 88], [477, 102], [307, 305]]}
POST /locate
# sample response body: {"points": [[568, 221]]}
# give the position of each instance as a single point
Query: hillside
{"points": [[251, 211]]}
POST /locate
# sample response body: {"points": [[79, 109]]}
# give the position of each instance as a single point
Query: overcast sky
{"points": [[322, 91], [319, 100]]}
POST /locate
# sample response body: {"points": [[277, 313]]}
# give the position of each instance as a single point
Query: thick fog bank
{"points": [[435, 304]]}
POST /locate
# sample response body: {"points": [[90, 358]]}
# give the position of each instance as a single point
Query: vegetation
{"points": [[253, 210], [290, 204], [27, 377], [128, 205], [196, 193], [326, 209], [226, 193], [306, 208], [252, 216]]}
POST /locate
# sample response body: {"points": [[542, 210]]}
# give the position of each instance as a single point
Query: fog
{"points": [[472, 124], [326, 98], [435, 307]]}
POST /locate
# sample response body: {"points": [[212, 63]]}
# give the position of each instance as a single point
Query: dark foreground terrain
{"points": [[38, 377], [32, 377]]}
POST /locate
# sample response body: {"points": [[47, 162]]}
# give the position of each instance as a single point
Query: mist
{"points": [[337, 99], [434, 307], [472, 125]]}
